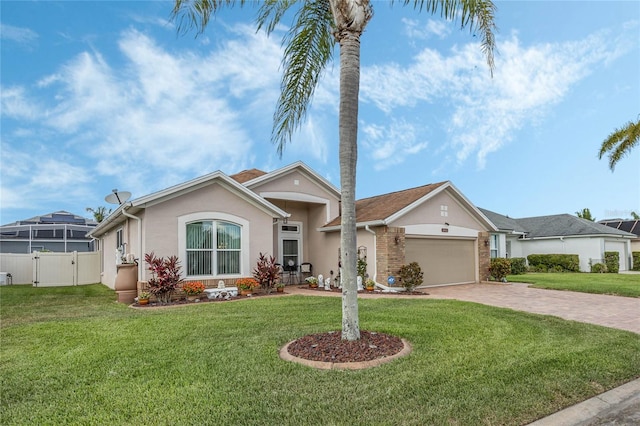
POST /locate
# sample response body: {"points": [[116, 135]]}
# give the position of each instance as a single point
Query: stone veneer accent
{"points": [[484, 256], [390, 254]]}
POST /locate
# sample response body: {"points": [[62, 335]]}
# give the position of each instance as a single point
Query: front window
{"points": [[494, 246], [213, 248], [119, 239]]}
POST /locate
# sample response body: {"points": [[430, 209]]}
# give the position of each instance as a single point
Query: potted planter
{"points": [[280, 288], [313, 282], [143, 299], [193, 289], [369, 285], [246, 285]]}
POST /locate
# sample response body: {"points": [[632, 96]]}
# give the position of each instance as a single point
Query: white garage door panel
{"points": [[443, 261]]}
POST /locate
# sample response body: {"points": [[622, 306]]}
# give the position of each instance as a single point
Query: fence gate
{"points": [[65, 269]]}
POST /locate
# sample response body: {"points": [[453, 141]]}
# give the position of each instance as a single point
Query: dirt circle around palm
{"points": [[328, 351]]}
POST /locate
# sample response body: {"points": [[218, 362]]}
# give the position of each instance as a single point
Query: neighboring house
{"points": [[57, 232], [558, 234], [218, 224], [632, 226]]}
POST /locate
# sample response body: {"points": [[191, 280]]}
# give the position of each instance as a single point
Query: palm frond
{"points": [[620, 142], [477, 15], [271, 13], [191, 14], [309, 48]]}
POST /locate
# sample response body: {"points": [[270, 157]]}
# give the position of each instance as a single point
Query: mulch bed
{"points": [[329, 347]]}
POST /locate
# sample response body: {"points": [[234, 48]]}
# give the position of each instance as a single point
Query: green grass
{"points": [[70, 359], [615, 284]]}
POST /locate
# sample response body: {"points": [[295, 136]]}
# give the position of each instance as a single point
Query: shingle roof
{"points": [[559, 225], [384, 206], [247, 175], [503, 223]]}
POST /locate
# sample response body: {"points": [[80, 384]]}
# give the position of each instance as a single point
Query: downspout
{"points": [[139, 248], [375, 254]]}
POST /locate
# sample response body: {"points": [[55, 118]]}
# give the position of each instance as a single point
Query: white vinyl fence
{"points": [[52, 269]]}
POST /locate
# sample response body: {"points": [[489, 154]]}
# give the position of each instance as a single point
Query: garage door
{"points": [[443, 261]]}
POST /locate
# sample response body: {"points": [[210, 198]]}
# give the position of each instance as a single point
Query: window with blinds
{"points": [[213, 248]]}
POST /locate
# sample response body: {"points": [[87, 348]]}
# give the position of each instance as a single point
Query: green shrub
{"points": [[566, 262], [410, 276], [612, 260], [165, 276], [538, 268], [636, 260], [518, 265], [266, 272], [500, 268], [598, 268], [362, 268]]}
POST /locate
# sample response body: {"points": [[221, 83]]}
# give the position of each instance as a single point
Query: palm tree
{"points": [[586, 214], [99, 213], [317, 25], [620, 142]]}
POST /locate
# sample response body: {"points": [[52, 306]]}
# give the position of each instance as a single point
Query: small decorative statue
{"points": [[327, 284]]}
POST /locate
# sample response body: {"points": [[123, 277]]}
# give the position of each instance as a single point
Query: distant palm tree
{"points": [[317, 26], [99, 213], [586, 214], [620, 142]]}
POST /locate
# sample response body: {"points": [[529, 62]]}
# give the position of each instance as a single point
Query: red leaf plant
{"points": [[267, 272], [165, 276]]}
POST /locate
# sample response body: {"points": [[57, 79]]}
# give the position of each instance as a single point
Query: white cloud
{"points": [[388, 146], [35, 175], [16, 104], [17, 34], [414, 30], [159, 119], [485, 113]]}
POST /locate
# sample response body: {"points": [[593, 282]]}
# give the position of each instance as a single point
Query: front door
{"points": [[290, 237]]}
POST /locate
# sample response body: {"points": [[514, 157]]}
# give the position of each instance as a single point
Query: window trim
{"points": [[215, 216], [120, 238]]}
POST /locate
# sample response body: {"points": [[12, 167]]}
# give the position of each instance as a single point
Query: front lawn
{"points": [[217, 363], [615, 284]]}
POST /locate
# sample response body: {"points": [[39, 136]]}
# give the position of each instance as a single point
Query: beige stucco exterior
{"points": [[291, 205]]}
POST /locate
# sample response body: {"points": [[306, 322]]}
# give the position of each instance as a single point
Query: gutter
{"points": [[127, 214]]}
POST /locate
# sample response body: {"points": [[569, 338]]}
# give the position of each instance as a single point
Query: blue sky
{"points": [[104, 95]]}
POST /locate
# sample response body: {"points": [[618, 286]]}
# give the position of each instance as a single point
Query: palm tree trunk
{"points": [[348, 117]]}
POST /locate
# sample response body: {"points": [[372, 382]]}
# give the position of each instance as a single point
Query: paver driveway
{"points": [[611, 311]]}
